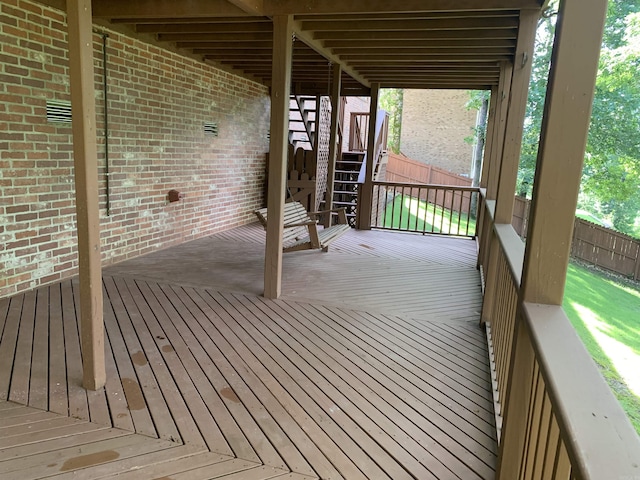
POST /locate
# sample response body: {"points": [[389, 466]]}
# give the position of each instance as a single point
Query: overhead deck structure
{"points": [[560, 419]]}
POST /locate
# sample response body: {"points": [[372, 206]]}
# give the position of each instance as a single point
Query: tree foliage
{"points": [[391, 101], [611, 177]]}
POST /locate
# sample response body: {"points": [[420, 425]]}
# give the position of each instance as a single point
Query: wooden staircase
{"points": [[345, 190], [302, 121]]}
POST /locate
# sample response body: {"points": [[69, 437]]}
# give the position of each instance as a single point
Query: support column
{"points": [[488, 143], [280, 91], [563, 138], [502, 107], [516, 114], [482, 231], [336, 87], [502, 112], [85, 160], [504, 169], [365, 197]]}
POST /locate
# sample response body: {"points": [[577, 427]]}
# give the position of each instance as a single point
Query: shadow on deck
{"points": [[371, 365]]}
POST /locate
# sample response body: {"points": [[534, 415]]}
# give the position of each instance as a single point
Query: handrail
{"points": [[459, 188], [564, 421], [513, 249], [425, 208], [600, 440], [380, 136]]}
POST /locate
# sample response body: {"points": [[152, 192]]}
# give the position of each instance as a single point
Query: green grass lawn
{"points": [[606, 315], [408, 213]]}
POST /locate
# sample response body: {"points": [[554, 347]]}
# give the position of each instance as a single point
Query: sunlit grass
{"points": [[606, 315], [409, 213]]}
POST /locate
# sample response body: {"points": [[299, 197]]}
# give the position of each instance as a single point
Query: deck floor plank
{"points": [[240, 380], [413, 391], [138, 309], [204, 326], [154, 415], [9, 344], [177, 356], [315, 403], [401, 395], [340, 393], [121, 415], [78, 402], [19, 391], [183, 461], [39, 381], [324, 433], [215, 390], [96, 399], [372, 365], [58, 399]]}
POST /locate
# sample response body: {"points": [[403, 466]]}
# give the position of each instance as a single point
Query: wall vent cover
{"points": [[211, 128], [58, 111]]}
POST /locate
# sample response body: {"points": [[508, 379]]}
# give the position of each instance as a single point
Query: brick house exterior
{"points": [[434, 126], [158, 103]]}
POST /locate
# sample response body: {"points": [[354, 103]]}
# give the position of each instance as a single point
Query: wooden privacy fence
{"points": [[401, 169], [591, 243], [606, 248]]}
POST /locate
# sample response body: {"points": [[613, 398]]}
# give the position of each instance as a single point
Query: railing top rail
{"points": [[513, 249], [600, 440], [428, 185]]}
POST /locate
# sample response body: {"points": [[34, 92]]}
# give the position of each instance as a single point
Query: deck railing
{"points": [[422, 208], [561, 420]]}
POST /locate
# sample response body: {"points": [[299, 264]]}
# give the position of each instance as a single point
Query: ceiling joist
{"points": [[408, 44]]}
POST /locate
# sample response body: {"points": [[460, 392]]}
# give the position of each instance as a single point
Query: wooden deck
{"points": [[371, 365]]}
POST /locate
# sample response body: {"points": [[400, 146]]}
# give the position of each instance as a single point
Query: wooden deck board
{"points": [[372, 365], [396, 390]]}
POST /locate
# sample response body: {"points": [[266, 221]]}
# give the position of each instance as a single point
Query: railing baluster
{"points": [[423, 208], [441, 212], [459, 213]]}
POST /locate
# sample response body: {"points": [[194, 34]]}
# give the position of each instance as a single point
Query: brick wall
{"points": [[434, 126], [158, 102]]}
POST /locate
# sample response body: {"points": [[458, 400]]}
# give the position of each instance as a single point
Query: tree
{"points": [[611, 177], [391, 101]]}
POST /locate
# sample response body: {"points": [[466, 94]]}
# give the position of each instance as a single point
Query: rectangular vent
{"points": [[211, 129], [58, 112]]}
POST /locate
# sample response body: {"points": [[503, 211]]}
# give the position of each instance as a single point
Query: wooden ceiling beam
{"points": [[309, 40], [316, 7], [150, 20], [437, 86], [350, 17], [442, 35], [245, 27], [410, 24], [413, 58], [256, 52], [386, 75], [251, 7], [258, 45], [367, 70], [422, 51], [481, 64], [215, 37], [111, 9], [430, 43]]}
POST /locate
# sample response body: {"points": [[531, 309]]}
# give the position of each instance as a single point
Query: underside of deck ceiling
{"points": [[409, 44]]}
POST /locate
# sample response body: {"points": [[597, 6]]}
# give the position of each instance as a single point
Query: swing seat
{"points": [[301, 230]]}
